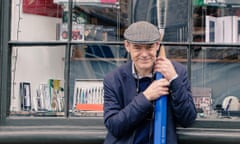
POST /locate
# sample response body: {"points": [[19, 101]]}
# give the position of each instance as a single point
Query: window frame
{"points": [[5, 56], [94, 123]]}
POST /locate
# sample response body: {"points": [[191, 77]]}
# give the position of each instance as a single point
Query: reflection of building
{"points": [[216, 21], [222, 29], [203, 99], [171, 19]]}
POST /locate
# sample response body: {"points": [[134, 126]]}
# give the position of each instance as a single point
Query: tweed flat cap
{"points": [[142, 32]]}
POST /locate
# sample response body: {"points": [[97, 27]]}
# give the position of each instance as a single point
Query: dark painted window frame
{"points": [[197, 133]]}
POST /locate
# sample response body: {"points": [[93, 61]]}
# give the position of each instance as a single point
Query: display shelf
{"points": [[207, 60], [100, 3], [100, 59], [36, 114], [79, 113], [87, 114]]}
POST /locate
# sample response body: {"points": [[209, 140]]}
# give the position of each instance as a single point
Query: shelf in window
{"points": [[111, 4], [175, 59], [37, 113], [208, 60], [87, 114], [99, 59]]}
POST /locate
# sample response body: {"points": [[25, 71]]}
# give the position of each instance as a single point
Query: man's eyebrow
{"points": [[145, 45], [137, 45]]}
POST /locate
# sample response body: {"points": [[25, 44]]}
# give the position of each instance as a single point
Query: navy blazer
{"points": [[125, 110]]}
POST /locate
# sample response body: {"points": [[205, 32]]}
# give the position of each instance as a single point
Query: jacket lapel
{"points": [[130, 85]]}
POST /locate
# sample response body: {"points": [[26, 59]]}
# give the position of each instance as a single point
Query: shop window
{"points": [[51, 55], [214, 68], [53, 74]]}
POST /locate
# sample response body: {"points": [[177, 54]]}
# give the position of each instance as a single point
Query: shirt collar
{"points": [[137, 76]]}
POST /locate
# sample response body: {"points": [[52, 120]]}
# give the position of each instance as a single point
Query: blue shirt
{"points": [[143, 133]]}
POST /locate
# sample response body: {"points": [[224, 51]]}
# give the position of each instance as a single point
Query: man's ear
{"points": [[126, 45]]}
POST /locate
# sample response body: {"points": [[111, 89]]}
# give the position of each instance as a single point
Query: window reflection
{"points": [[215, 82], [215, 21]]}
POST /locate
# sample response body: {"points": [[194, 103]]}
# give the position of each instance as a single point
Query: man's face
{"points": [[143, 55]]}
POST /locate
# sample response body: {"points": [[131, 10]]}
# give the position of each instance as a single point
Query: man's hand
{"points": [[156, 89], [165, 67]]}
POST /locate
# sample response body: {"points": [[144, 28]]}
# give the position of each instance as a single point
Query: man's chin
{"points": [[146, 66]]}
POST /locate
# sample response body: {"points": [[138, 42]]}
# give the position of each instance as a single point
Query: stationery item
{"points": [[56, 93], [88, 95], [25, 94]]}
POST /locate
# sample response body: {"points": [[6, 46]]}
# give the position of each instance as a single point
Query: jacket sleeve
{"points": [[181, 98], [120, 117]]}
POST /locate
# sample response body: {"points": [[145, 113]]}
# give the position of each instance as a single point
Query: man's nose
{"points": [[144, 51]]}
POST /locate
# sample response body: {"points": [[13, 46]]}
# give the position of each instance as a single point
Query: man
{"points": [[130, 91]]}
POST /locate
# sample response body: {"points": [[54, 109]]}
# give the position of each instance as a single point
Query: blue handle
{"points": [[160, 119]]}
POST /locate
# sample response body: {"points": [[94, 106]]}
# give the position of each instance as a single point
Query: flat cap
{"points": [[142, 32]]}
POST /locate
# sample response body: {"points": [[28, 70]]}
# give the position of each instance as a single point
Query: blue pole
{"points": [[160, 119]]}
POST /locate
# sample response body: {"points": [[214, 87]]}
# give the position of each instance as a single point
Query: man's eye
{"points": [[150, 46], [136, 48]]}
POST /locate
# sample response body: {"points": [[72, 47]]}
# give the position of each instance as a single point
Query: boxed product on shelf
{"points": [[77, 32], [25, 96], [202, 98], [43, 98], [56, 92]]}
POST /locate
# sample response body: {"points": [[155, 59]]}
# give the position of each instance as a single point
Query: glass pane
{"points": [[88, 66], [94, 20], [37, 87], [48, 20], [215, 82], [35, 20], [177, 53], [98, 21], [172, 19], [216, 22]]}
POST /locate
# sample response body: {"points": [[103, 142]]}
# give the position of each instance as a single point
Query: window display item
{"points": [[25, 94]]}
